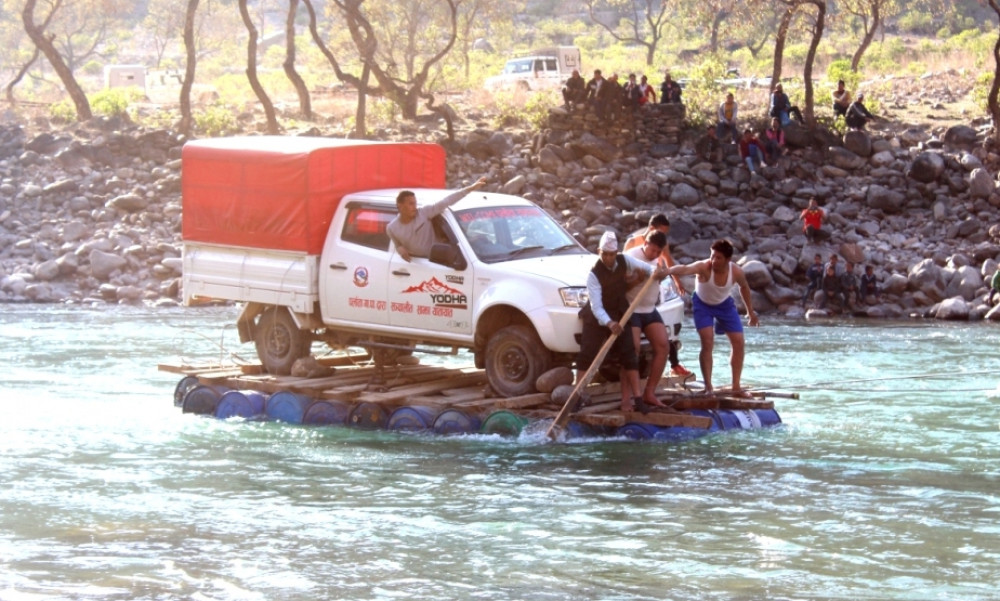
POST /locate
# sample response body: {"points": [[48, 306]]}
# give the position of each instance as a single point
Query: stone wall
{"points": [[652, 125]]}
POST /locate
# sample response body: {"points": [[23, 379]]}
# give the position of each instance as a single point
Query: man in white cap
{"points": [[606, 286]]}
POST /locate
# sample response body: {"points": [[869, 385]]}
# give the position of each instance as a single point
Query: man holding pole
{"points": [[606, 286], [714, 307]]}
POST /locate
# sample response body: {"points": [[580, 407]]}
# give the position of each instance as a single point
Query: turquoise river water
{"points": [[883, 482]]}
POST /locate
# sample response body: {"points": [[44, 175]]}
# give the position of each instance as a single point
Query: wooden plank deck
{"points": [[354, 381]]}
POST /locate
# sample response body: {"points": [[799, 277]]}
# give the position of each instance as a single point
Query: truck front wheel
{"points": [[515, 357], [279, 341]]}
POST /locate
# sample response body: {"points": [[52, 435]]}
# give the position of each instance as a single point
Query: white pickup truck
{"points": [[542, 69], [287, 226]]}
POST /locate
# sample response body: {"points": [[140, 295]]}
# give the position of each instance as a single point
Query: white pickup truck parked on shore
{"points": [[542, 69], [296, 229]]}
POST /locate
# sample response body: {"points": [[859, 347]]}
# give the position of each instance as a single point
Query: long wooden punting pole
{"points": [[563, 416]]}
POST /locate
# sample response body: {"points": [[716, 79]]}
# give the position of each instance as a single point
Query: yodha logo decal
{"points": [[441, 294]]}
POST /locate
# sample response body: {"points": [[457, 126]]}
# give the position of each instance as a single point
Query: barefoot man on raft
{"points": [[714, 307]]}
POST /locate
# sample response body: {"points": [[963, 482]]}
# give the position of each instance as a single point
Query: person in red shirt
{"points": [[812, 220]]}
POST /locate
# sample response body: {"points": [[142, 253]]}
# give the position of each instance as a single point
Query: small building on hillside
{"points": [[125, 76]]}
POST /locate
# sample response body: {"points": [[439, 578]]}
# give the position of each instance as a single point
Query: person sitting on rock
{"points": [[829, 294], [815, 276], [774, 142], [812, 222], [614, 98], [849, 287], [994, 288], [648, 93], [575, 91], [857, 114], [781, 107], [841, 100], [725, 128], [750, 150], [707, 147], [868, 291], [670, 90]]}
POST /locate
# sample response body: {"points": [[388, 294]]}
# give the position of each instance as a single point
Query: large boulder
{"points": [[103, 264], [589, 144], [926, 167], [843, 158], [928, 278], [981, 184], [647, 192], [884, 199], [757, 274], [956, 309], [858, 142], [548, 160], [965, 283], [684, 195], [960, 135]]}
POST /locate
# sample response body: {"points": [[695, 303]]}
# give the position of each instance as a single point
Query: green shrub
{"points": [[841, 69], [215, 120], [62, 111], [981, 90], [114, 102]]}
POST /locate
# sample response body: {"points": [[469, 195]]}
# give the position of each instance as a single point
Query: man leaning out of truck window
{"points": [[411, 231]]}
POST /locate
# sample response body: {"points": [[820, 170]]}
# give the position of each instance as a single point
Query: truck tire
{"points": [[279, 341], [515, 357]]}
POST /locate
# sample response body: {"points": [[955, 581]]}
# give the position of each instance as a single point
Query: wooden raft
{"points": [[465, 389]]}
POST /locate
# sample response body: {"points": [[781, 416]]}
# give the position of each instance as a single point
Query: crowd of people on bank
{"points": [[608, 97]]}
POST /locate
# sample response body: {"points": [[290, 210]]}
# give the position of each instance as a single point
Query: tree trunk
{"points": [[305, 106], [361, 116], [713, 42], [187, 121], [993, 98], [811, 58], [258, 90], [779, 43], [19, 76], [866, 41], [45, 45]]}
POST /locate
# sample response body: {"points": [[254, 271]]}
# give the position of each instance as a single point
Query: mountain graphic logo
{"points": [[442, 295], [433, 286]]}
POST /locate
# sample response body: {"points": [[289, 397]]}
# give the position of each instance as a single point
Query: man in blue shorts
{"points": [[714, 307]]}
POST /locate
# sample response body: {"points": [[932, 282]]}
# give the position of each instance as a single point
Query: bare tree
{"points": [[251, 71], [781, 35], [187, 121], [163, 22], [305, 106], [644, 23], [44, 42], [817, 36], [993, 97], [870, 15]]}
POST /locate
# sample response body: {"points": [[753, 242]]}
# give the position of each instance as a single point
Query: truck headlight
{"points": [[574, 297], [668, 291]]}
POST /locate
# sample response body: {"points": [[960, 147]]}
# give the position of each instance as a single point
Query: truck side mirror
{"points": [[448, 255]]}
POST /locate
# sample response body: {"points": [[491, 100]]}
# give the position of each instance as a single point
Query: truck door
{"points": [[425, 295], [355, 270]]}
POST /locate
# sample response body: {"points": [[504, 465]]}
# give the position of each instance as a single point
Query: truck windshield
{"points": [[504, 233], [523, 65]]}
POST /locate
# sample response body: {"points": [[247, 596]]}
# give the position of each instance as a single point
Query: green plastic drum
{"points": [[504, 423]]}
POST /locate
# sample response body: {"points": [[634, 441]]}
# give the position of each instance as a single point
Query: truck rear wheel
{"points": [[279, 341], [515, 357]]}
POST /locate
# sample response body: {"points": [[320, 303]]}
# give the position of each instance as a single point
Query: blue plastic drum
{"points": [[634, 431], [327, 413], [287, 407], [768, 417], [202, 400], [236, 403], [412, 419], [453, 421], [182, 388], [367, 416]]}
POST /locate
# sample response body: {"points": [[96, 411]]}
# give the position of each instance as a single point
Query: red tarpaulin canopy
{"points": [[280, 192]]}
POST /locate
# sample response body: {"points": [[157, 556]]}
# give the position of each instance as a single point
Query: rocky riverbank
{"points": [[91, 213]]}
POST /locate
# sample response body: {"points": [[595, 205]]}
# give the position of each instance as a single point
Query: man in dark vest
{"points": [[606, 286]]}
